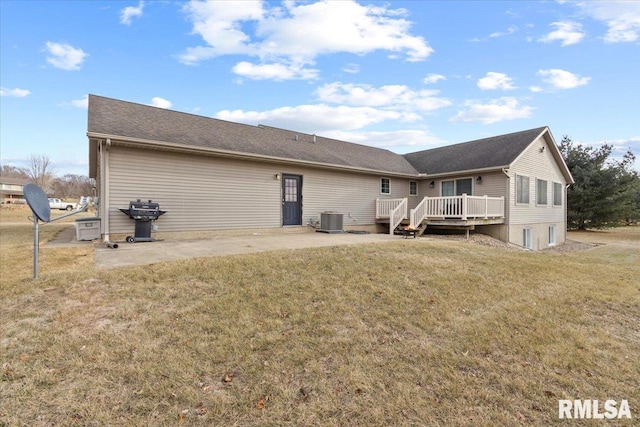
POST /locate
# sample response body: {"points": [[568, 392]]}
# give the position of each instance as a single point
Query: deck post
{"points": [[486, 207], [464, 206]]}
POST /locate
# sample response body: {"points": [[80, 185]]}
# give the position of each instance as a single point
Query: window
{"points": [[413, 188], [541, 192], [385, 186], [527, 238], [448, 188], [457, 187], [552, 235], [290, 190], [557, 194], [522, 189]]}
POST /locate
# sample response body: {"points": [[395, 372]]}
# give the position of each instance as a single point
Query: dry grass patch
{"points": [[403, 333]]}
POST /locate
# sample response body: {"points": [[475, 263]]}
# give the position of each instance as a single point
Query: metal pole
{"points": [[36, 244]]}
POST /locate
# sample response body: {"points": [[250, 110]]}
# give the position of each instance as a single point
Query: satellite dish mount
{"points": [[39, 204]]}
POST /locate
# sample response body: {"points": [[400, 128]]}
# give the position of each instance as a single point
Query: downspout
{"points": [[566, 210], [507, 204], [105, 184]]}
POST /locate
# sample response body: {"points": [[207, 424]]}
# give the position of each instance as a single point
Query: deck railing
{"points": [[384, 206], [457, 207], [397, 215], [394, 209]]}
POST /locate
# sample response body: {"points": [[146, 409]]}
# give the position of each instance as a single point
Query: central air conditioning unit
{"points": [[331, 222]]}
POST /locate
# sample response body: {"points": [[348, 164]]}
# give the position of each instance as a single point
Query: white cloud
{"points": [[567, 32], [497, 110], [315, 118], [16, 92], [81, 103], [129, 12], [161, 102], [64, 56], [399, 138], [397, 97], [512, 29], [535, 89], [328, 27], [495, 80], [351, 68], [274, 71], [561, 79], [433, 78], [621, 17]]}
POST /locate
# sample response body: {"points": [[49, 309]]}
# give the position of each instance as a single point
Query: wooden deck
{"points": [[452, 211]]}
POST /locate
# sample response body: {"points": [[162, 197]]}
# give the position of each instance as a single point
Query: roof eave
{"points": [[465, 172], [146, 143]]}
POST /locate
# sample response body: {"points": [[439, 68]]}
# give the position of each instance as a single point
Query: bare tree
{"points": [[41, 170], [72, 186], [13, 171]]}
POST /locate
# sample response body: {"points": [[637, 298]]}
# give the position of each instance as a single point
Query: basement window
{"points": [[385, 186], [527, 238], [553, 235]]}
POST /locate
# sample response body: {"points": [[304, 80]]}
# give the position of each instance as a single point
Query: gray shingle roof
{"points": [[493, 152], [130, 120], [126, 119]]}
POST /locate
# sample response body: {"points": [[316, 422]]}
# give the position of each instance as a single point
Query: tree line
{"points": [[606, 192], [40, 171]]}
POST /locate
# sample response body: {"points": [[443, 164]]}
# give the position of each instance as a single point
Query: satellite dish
{"points": [[38, 202]]}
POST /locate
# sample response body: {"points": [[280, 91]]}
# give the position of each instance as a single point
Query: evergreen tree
{"points": [[606, 192]]}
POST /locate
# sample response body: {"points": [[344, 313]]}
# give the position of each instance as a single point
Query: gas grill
{"points": [[143, 213]]}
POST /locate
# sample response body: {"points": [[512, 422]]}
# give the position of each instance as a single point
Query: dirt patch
{"points": [[477, 239], [484, 240], [572, 246]]}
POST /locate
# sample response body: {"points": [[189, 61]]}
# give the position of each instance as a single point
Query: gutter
{"points": [[464, 172]]}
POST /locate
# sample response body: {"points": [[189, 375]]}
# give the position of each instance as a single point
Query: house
{"points": [[210, 174], [11, 189]]}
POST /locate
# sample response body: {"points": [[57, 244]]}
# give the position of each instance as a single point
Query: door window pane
{"points": [[448, 188], [290, 190]]}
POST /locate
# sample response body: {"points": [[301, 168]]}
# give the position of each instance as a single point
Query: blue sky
{"points": [[404, 76]]}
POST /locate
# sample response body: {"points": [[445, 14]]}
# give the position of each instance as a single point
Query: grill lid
{"points": [[143, 210]]}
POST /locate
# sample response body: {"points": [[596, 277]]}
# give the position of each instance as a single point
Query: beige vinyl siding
{"points": [[198, 192], [209, 193], [493, 185], [536, 165], [351, 194]]}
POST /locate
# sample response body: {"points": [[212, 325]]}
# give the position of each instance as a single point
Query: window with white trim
{"points": [[557, 194], [527, 238], [553, 233], [522, 189], [413, 188], [541, 192], [385, 186]]}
